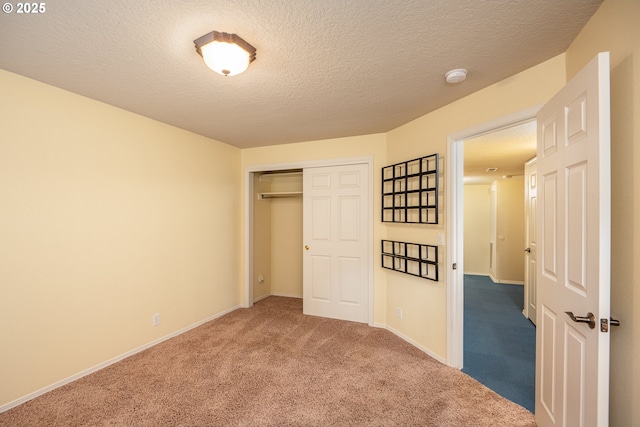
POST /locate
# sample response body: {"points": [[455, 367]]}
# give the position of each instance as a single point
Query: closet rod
{"points": [[284, 172], [262, 196]]}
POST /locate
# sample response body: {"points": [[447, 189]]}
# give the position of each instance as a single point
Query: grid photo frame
{"points": [[410, 191], [410, 258]]}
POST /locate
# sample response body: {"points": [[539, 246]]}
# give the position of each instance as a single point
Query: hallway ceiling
{"points": [[505, 149], [324, 69]]}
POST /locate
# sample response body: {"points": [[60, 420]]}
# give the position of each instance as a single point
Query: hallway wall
{"points": [[510, 231], [477, 228]]}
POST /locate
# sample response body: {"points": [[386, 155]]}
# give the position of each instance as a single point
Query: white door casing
{"points": [[454, 191], [335, 262], [573, 275], [249, 200], [530, 256]]}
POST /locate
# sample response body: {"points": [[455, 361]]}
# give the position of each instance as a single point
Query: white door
{"points": [[335, 238], [530, 269], [574, 214]]}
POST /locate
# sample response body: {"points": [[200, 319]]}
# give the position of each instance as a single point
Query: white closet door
{"points": [[335, 262]]}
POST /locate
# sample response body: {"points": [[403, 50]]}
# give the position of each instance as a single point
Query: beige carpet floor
{"points": [[272, 366]]}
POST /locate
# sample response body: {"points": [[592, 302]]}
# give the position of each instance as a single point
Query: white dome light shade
{"points": [[226, 54], [225, 58]]}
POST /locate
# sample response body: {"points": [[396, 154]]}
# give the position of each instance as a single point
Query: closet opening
{"points": [[277, 234]]}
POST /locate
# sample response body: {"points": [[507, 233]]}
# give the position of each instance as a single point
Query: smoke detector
{"points": [[456, 76]]}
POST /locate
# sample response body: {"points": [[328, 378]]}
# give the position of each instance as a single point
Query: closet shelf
{"points": [[266, 176], [282, 194]]}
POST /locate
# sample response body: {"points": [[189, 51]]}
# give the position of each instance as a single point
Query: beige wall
{"points": [[349, 147], [106, 218], [615, 28], [286, 238], [286, 247], [424, 302], [261, 240], [510, 231], [477, 229]]}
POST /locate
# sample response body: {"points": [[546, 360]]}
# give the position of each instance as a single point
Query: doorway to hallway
{"points": [[502, 254]]}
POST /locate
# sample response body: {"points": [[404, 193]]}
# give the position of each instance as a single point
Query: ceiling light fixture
{"points": [[226, 54], [456, 76]]}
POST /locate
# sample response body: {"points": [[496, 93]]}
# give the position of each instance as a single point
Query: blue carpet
{"points": [[499, 342]]}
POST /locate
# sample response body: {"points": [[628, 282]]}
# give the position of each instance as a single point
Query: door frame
{"points": [[454, 196], [248, 218]]}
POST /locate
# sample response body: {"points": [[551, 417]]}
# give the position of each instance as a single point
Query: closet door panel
{"points": [[335, 206]]}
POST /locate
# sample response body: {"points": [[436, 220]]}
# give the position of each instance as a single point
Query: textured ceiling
{"points": [[506, 150], [324, 69]]}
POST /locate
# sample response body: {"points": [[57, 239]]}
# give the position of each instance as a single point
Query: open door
{"points": [[335, 260], [531, 252], [573, 268]]}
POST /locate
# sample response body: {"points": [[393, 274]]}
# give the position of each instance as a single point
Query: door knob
{"points": [[528, 250], [306, 247], [589, 319]]}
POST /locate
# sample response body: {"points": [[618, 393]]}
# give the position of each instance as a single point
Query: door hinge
{"points": [[455, 266]]}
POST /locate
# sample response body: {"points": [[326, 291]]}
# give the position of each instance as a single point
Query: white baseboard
{"points": [[255, 300], [506, 282], [415, 344], [109, 362], [116, 359], [510, 282], [278, 294]]}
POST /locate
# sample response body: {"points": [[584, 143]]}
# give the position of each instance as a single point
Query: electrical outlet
{"points": [[156, 319], [399, 313]]}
